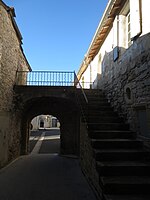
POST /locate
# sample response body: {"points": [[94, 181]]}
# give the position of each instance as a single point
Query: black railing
{"points": [[45, 78]]}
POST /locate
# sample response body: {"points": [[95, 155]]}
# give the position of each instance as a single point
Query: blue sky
{"points": [[57, 33]]}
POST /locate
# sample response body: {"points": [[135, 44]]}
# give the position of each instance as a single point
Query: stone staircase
{"points": [[122, 163]]}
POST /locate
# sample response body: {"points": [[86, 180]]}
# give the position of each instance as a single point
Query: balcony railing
{"points": [[50, 78], [45, 78]]}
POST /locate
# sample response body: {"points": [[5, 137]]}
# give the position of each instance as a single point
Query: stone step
{"points": [[94, 91], [92, 95], [101, 103], [116, 144], [105, 134], [108, 119], [123, 168], [98, 98], [95, 96], [127, 197], [108, 126], [100, 113], [99, 108], [121, 155], [121, 160], [125, 185], [96, 106], [95, 101], [88, 90]]}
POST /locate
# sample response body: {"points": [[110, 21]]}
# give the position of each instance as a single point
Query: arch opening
{"points": [[65, 116], [44, 135]]}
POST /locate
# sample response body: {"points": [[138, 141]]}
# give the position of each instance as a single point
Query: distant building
{"points": [[44, 122], [118, 61]]}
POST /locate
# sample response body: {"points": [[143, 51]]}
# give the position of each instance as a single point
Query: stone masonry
{"points": [[12, 59], [127, 82]]}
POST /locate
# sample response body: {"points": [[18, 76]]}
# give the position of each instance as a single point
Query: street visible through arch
{"points": [[44, 141]]}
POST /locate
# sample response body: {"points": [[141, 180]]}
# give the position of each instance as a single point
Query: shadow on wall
{"points": [[125, 79]]}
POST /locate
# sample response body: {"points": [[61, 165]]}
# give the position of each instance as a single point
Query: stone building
{"points": [[12, 59], [44, 121], [118, 61]]}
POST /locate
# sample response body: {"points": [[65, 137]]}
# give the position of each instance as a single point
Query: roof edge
{"points": [[110, 8]]}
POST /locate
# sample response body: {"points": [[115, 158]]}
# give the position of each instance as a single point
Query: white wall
{"points": [[86, 77], [45, 118], [100, 62]]}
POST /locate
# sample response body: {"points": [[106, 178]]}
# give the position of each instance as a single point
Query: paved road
{"points": [[50, 142], [44, 177]]}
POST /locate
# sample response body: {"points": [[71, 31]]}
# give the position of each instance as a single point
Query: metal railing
{"points": [[45, 78], [51, 78]]}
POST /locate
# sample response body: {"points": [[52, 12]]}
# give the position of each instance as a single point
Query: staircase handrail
{"points": [[78, 84]]}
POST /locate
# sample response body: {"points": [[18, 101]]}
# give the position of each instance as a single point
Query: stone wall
{"points": [[87, 160], [11, 59], [126, 83], [57, 101]]}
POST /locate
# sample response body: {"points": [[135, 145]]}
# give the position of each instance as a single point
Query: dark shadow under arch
{"points": [[66, 112]]}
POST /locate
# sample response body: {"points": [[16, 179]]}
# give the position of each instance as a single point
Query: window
{"points": [[126, 27], [122, 31]]}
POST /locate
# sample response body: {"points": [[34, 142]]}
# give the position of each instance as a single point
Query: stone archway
{"points": [[66, 112]]}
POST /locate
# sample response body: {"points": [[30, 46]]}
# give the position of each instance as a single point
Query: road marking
{"points": [[37, 147], [33, 138], [52, 137]]}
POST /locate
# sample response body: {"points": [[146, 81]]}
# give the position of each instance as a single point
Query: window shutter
{"points": [[135, 18], [116, 38]]}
